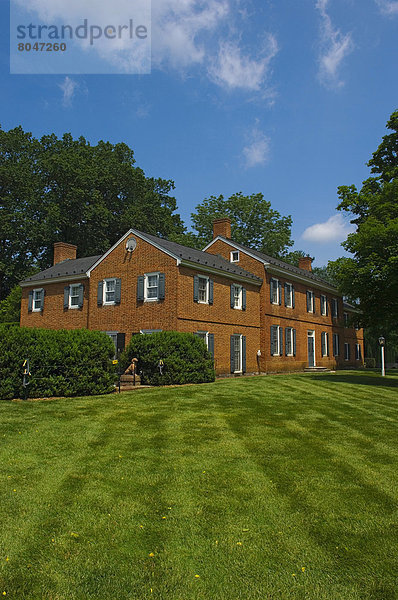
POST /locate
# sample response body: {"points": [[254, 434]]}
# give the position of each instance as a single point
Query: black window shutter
{"points": [[313, 302], [294, 342], [280, 341], [243, 298], [271, 288], [66, 296], [211, 291], [273, 349], [293, 297], [161, 286], [232, 353], [196, 288], [349, 352], [140, 288], [120, 342], [232, 295], [280, 292], [287, 332], [210, 340], [244, 353], [100, 292], [327, 306], [118, 291], [81, 295], [30, 301], [286, 293], [327, 343], [308, 301], [42, 294]]}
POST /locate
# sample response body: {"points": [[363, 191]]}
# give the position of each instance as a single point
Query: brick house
{"points": [[254, 312]]}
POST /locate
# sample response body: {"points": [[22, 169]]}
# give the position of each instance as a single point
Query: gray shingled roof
{"points": [[201, 258], [277, 263], [77, 266]]}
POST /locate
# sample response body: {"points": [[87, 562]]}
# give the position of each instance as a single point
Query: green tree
{"points": [[254, 223], [10, 307], [68, 190], [370, 275]]}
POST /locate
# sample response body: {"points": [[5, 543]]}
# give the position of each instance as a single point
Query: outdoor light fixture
{"points": [[382, 341]]}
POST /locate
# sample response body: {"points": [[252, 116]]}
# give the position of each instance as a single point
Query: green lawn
{"points": [[281, 487]]}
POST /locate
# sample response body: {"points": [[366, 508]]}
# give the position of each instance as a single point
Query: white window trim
{"points": [[358, 352], [311, 333], [146, 276], [324, 306], [291, 340], [73, 306], [205, 338], [277, 291], [104, 302], [207, 289], [231, 258], [236, 286], [324, 347], [278, 341], [290, 295], [240, 370], [312, 309], [35, 291]]}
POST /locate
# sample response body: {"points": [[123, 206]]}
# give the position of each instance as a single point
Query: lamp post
{"points": [[382, 341]]}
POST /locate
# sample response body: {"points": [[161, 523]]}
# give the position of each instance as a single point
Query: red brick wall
{"points": [[54, 316], [297, 318]]}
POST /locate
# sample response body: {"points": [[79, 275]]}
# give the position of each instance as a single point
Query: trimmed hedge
{"points": [[185, 358], [62, 362]]}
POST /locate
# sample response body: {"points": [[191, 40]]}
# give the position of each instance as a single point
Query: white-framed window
{"points": [[237, 296], [238, 353], [203, 290], [275, 291], [336, 344], [208, 339], [358, 352], [109, 291], [325, 343], [335, 308], [74, 295], [310, 301], [324, 305], [276, 340], [347, 351], [289, 343], [346, 319], [289, 295], [38, 300], [234, 256], [151, 287]]}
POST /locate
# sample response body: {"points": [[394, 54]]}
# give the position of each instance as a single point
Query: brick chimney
{"points": [[222, 227], [64, 251], [305, 263]]}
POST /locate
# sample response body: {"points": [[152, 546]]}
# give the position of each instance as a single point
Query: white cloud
{"points": [[335, 229], [335, 46], [68, 87], [388, 7], [256, 152], [201, 36], [233, 70]]}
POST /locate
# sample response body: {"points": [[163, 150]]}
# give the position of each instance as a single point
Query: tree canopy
{"points": [[65, 189], [253, 222], [370, 275]]}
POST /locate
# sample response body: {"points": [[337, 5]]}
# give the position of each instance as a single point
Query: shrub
{"points": [[185, 358], [62, 363], [370, 363]]}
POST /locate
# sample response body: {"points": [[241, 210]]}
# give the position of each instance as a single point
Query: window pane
{"points": [[110, 290], [152, 286], [202, 289]]}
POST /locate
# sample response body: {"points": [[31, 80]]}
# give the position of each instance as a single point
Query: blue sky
{"points": [[284, 97]]}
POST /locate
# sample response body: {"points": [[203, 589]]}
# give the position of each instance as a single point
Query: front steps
{"points": [[317, 370]]}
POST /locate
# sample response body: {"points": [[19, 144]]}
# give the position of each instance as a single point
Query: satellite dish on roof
{"points": [[131, 245]]}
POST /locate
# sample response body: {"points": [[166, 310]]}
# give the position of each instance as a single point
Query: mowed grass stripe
{"points": [[257, 478]]}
